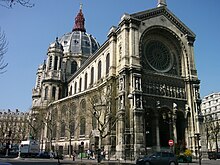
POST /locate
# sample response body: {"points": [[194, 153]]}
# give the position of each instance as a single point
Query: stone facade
{"points": [[211, 114], [14, 127], [136, 92]]}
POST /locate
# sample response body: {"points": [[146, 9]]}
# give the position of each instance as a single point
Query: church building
{"points": [[138, 92]]}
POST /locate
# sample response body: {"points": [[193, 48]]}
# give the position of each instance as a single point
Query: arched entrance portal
{"points": [[171, 126]]}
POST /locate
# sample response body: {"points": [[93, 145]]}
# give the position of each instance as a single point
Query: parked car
{"points": [[5, 163], [44, 155], [158, 158], [213, 155]]}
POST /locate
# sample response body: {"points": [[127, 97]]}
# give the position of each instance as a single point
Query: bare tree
{"points": [[103, 112], [11, 3], [69, 123], [3, 50]]}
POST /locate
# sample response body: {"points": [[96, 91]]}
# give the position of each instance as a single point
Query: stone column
{"points": [[120, 134], [174, 117], [138, 132], [157, 131]]}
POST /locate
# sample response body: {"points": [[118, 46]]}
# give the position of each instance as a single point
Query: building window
{"points": [[60, 93], [54, 126], [72, 119], [85, 84], [73, 67], [99, 69], [92, 76], [54, 93], [80, 84], [55, 63], [83, 105], [70, 93], [50, 62], [63, 121], [38, 81], [62, 133], [75, 88], [46, 93], [107, 64], [82, 126]]}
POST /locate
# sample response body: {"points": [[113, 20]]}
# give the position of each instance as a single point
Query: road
{"points": [[26, 161]]}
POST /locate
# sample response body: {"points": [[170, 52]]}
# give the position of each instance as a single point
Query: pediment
{"points": [[144, 15]]}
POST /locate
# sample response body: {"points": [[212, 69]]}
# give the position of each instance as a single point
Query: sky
{"points": [[29, 32]]}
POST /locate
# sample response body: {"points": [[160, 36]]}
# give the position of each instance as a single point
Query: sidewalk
{"points": [[90, 161]]}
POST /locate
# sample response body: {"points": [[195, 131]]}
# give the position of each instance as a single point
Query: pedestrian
{"points": [[74, 156], [99, 156], [88, 153]]}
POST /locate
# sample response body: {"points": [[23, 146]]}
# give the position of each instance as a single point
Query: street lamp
{"points": [[198, 136]]}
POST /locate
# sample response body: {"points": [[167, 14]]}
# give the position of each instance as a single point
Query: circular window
{"points": [[158, 56]]}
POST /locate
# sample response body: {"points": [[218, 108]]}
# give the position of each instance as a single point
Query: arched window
{"points": [[82, 126], [82, 119], [50, 62], [71, 88], [60, 93], [75, 88], [83, 105], [46, 93], [55, 63], [62, 132], [92, 76], [85, 81], [107, 64], [99, 70], [80, 84], [63, 121], [73, 67], [54, 123], [54, 93], [72, 119]]}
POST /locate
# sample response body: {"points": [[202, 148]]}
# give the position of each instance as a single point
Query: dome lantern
{"points": [[79, 21]]}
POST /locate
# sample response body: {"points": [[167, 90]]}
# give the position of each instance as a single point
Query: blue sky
{"points": [[29, 32]]}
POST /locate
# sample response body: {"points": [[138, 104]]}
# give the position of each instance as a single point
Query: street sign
{"points": [[170, 142]]}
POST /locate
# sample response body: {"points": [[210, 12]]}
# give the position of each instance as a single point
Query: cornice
{"points": [[144, 15]]}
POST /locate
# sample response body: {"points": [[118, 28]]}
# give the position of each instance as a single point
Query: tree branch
{"points": [[10, 3]]}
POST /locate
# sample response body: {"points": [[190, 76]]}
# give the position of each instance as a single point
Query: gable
{"points": [[144, 15]]}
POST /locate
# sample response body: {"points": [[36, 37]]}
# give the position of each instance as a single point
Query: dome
{"points": [[55, 46], [79, 42]]}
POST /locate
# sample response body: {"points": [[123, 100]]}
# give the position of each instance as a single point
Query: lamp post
{"points": [[198, 136]]}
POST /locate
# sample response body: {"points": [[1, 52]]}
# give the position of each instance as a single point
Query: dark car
{"points": [[213, 155], [44, 155], [158, 158]]}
